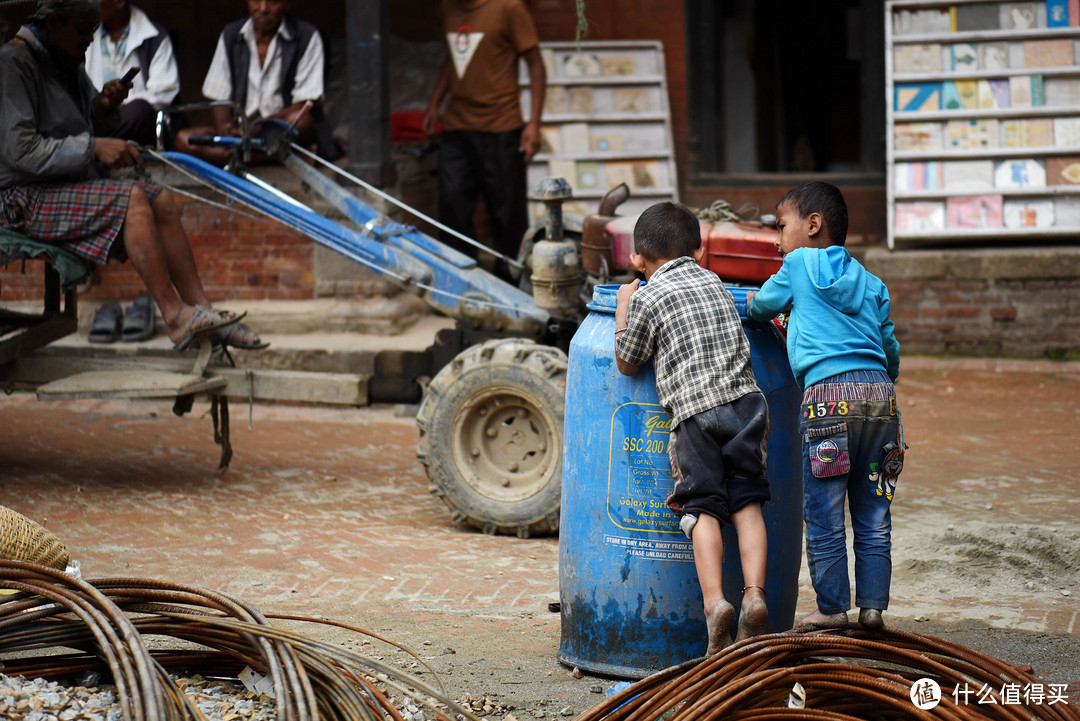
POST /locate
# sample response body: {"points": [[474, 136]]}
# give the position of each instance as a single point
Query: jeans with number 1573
{"points": [[853, 449]]}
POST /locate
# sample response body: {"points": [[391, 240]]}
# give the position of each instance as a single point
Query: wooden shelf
{"points": [[604, 155], [931, 4], [1045, 191], [983, 153], [987, 36], [1041, 111], [665, 192], [992, 233], [608, 118], [603, 81], [1055, 72]]}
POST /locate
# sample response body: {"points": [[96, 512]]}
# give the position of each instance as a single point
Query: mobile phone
{"points": [[129, 76]]}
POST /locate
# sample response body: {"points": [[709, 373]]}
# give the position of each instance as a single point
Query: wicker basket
{"points": [[24, 540]]}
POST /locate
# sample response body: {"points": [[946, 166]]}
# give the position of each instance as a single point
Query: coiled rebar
{"points": [[104, 623], [848, 674]]}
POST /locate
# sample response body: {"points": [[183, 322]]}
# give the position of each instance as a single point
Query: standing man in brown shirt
{"points": [[486, 142]]}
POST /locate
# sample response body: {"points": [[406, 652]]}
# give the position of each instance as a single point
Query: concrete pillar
{"points": [[367, 55]]}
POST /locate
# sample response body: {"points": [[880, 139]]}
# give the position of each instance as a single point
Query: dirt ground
{"points": [[327, 512]]}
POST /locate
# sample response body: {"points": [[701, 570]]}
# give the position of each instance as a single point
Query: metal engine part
{"points": [[556, 263], [597, 255]]}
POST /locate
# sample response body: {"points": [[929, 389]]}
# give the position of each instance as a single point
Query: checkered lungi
{"points": [[84, 216]]}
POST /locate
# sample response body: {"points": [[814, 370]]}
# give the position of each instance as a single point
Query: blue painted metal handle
{"points": [[351, 244], [461, 289]]}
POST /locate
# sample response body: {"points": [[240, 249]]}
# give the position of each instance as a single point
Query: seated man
{"points": [[56, 125], [270, 65], [129, 39]]}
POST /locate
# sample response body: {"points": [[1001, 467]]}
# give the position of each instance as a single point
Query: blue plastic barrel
{"points": [[629, 595]]}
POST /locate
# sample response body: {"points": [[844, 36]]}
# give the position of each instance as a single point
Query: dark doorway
{"points": [[786, 86]]}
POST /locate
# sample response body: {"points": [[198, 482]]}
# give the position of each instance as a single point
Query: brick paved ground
{"points": [[327, 512]]}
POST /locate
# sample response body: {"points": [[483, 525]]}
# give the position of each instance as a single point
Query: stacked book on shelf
{"points": [[984, 118], [1027, 86], [606, 121]]}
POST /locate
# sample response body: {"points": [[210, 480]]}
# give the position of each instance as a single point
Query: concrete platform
{"points": [[320, 336]]}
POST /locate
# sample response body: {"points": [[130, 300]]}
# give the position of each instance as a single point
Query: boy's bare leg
{"points": [[708, 559], [146, 254], [753, 548]]}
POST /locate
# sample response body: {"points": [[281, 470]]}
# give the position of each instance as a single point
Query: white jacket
{"points": [[162, 81]]}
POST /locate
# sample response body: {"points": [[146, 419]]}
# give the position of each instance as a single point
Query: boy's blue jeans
{"points": [[852, 447]]}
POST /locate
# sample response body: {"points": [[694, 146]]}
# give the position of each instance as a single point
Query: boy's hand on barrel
{"points": [[750, 296], [625, 291], [622, 302]]}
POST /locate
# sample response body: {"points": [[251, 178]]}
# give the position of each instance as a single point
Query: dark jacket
{"points": [[49, 115]]}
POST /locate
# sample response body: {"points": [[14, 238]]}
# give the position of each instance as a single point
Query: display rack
{"points": [[606, 120], [982, 120]]}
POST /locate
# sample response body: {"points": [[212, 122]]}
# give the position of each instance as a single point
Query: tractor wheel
{"points": [[491, 436]]}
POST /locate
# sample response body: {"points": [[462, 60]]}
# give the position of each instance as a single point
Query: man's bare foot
{"points": [[192, 322], [752, 618], [239, 336], [718, 622], [196, 319], [818, 621]]}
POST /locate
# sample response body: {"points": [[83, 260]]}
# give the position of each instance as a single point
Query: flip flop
{"points": [[105, 327], [203, 321], [235, 335], [139, 320]]}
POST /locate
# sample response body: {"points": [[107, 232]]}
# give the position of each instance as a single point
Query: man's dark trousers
{"points": [[490, 165]]}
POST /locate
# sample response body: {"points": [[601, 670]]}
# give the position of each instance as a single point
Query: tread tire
{"points": [[491, 426]]}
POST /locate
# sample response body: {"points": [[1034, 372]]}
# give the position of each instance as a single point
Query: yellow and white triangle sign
{"points": [[463, 46]]}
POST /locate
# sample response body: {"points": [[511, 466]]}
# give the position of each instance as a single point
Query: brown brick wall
{"points": [[984, 302], [237, 258]]}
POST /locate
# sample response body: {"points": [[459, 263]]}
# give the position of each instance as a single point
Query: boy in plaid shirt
{"points": [[685, 321]]}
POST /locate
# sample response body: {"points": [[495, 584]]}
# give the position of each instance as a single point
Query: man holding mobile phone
{"points": [[56, 127], [132, 47]]}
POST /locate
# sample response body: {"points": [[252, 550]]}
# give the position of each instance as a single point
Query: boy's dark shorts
{"points": [[718, 459]]}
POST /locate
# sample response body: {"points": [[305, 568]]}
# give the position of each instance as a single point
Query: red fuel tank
{"points": [[734, 251], [740, 251]]}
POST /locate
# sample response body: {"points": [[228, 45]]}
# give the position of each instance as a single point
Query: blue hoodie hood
{"points": [[839, 315], [839, 279]]}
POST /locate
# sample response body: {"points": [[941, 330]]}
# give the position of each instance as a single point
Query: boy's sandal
{"points": [[204, 321], [105, 327]]}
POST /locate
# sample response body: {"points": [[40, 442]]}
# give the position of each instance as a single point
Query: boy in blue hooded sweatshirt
{"points": [[845, 356]]}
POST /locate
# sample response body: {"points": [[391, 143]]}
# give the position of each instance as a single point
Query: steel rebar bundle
{"points": [[845, 675], [103, 625]]}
